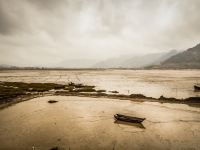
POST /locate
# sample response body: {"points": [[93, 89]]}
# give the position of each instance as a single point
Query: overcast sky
{"points": [[45, 32]]}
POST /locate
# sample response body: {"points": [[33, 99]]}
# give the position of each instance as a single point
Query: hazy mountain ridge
{"points": [[138, 61], [189, 59], [6, 66], [130, 61], [77, 63]]}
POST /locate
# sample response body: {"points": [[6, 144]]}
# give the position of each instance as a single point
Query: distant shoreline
{"points": [[29, 97], [15, 92], [94, 69]]}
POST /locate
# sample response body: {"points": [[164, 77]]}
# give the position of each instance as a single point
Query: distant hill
{"points": [[4, 66], [138, 61], [77, 63], [189, 59]]}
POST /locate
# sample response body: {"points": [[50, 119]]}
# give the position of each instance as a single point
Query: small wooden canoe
{"points": [[128, 118], [197, 87]]}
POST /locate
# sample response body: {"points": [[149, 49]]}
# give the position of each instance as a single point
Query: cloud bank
{"points": [[45, 32]]}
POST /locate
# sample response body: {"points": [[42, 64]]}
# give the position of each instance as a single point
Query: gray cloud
{"points": [[7, 20], [37, 31], [48, 5]]}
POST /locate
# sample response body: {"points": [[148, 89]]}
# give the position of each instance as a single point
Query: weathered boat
{"points": [[197, 87], [128, 118]]}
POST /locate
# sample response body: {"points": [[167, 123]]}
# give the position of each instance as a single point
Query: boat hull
{"points": [[128, 118], [197, 87]]}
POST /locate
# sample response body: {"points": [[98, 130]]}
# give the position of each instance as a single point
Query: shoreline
{"points": [[15, 92], [90, 69], [89, 95], [18, 100]]}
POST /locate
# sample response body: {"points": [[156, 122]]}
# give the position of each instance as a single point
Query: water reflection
{"points": [[153, 83]]}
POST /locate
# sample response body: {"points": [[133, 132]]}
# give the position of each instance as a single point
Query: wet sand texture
{"points": [[87, 123]]}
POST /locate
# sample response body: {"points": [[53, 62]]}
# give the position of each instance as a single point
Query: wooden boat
{"points": [[197, 87], [128, 118]]}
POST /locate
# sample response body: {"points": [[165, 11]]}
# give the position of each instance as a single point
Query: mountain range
{"points": [[188, 59], [138, 61], [77, 63]]}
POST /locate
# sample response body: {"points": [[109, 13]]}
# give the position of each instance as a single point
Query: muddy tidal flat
{"points": [[87, 123], [74, 109]]}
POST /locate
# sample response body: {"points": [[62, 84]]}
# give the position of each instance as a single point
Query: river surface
{"points": [[88, 124], [154, 83]]}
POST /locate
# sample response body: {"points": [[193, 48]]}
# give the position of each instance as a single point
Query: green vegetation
{"points": [[7, 92], [31, 87], [11, 90], [72, 87], [114, 92], [137, 96], [101, 91]]}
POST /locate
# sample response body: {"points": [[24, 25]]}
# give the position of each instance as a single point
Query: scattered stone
{"points": [[56, 148], [52, 101]]}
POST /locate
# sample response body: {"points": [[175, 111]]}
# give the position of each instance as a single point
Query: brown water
{"points": [[87, 123], [154, 83]]}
